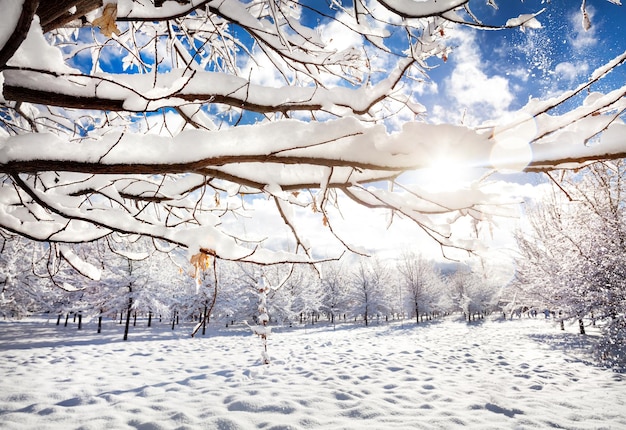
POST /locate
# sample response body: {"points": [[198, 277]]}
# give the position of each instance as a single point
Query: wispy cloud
{"points": [[472, 92], [569, 71]]}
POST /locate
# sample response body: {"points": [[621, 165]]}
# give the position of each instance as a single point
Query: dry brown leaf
{"points": [[107, 21], [200, 261]]}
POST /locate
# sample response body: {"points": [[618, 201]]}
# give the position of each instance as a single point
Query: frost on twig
{"points": [[262, 329]]}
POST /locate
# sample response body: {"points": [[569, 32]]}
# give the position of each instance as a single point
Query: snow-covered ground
{"points": [[520, 374]]}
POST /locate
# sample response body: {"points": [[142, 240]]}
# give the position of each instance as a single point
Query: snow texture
{"points": [[519, 374]]}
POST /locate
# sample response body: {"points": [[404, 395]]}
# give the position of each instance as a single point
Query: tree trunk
{"points": [[149, 319], [130, 303], [205, 318], [100, 323], [581, 326], [80, 321], [208, 308]]}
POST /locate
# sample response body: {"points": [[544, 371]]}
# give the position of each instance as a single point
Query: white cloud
{"points": [[365, 230], [262, 71], [468, 85], [569, 71], [519, 73], [338, 36], [369, 231], [475, 93]]}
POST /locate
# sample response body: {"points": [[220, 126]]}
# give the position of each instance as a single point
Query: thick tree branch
{"points": [[51, 98], [56, 14], [19, 33], [94, 92]]}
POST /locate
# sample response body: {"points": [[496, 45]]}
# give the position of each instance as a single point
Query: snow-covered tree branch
{"points": [[144, 117]]}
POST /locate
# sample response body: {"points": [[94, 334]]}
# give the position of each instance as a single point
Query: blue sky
{"points": [[531, 62], [491, 72]]}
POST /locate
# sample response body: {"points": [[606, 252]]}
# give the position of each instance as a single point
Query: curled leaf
{"points": [[107, 21], [201, 262]]}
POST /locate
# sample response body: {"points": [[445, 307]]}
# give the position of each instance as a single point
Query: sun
{"points": [[444, 175]]}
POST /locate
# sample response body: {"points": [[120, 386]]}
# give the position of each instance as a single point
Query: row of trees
{"points": [[572, 252], [142, 279]]}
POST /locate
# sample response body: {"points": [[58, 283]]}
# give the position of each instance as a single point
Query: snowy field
{"points": [[521, 374]]}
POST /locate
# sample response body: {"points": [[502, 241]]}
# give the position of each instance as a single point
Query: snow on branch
{"points": [[138, 93], [177, 115]]}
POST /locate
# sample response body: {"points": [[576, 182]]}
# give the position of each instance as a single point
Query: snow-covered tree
{"points": [[53, 278], [421, 283], [236, 301], [262, 329], [468, 290], [572, 248], [21, 291], [370, 289], [135, 276], [162, 145], [299, 297], [335, 287]]}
